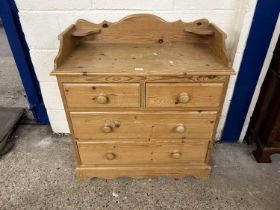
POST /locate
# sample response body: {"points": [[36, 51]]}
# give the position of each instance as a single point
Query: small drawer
{"points": [[137, 125], [102, 95], [92, 153], [182, 95]]}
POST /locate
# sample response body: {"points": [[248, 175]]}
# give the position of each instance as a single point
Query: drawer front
{"points": [[118, 125], [102, 95], [178, 95], [142, 153]]}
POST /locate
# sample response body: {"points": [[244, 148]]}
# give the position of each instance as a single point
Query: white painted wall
{"points": [[242, 28], [43, 20]]}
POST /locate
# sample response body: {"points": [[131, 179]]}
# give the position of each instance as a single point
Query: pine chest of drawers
{"points": [[142, 96]]}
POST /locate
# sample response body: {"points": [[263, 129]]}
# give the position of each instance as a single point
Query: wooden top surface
{"points": [[168, 58], [143, 44]]}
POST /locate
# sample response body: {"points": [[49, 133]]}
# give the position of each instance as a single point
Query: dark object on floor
{"points": [[9, 118], [264, 128]]}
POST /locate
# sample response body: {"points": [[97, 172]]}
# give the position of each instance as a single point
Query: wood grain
{"points": [[113, 78], [142, 28], [77, 155], [86, 95], [200, 94], [85, 33], [93, 153], [141, 36], [199, 27], [153, 59], [67, 45], [120, 84], [218, 45], [89, 125], [201, 171]]}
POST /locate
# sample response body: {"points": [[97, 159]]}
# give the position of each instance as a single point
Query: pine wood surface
{"points": [[142, 153], [88, 126], [132, 78], [143, 42], [200, 94], [86, 95], [143, 96], [199, 171], [157, 59]]}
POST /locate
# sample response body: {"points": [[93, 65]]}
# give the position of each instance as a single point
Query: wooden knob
{"points": [[107, 129], [102, 98], [183, 98], [176, 155], [180, 128], [110, 156]]}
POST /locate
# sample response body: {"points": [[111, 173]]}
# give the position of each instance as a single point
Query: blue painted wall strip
{"points": [[258, 42], [10, 20]]}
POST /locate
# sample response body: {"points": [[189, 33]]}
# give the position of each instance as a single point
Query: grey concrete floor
{"points": [[39, 174], [12, 93]]}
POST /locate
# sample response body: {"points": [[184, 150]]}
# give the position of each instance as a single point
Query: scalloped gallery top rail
{"points": [[143, 30]]}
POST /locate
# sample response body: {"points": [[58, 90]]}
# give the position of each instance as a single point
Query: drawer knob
{"points": [[183, 98], [176, 155], [180, 128], [107, 129], [102, 98], [110, 156]]}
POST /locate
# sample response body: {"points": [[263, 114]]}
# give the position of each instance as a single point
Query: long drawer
{"points": [[105, 95], [92, 153], [120, 125], [183, 95]]}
